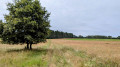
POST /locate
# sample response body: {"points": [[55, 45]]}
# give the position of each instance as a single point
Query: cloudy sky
{"points": [[81, 17]]}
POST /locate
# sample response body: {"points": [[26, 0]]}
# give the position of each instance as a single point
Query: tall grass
{"points": [[51, 55]]}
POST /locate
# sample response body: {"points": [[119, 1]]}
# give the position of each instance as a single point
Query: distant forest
{"points": [[60, 34]]}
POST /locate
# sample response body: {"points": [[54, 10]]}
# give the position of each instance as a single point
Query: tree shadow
{"points": [[33, 52], [39, 51]]}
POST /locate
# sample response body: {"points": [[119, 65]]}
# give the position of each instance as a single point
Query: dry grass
{"points": [[62, 53], [102, 49]]}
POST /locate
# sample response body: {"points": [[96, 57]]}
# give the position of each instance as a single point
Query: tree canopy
{"points": [[27, 22]]}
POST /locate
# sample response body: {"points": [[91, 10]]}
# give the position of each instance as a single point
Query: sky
{"points": [[80, 17]]}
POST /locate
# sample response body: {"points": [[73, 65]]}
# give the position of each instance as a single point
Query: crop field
{"points": [[63, 53]]}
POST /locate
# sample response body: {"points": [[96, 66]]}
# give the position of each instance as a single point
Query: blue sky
{"points": [[81, 17]]}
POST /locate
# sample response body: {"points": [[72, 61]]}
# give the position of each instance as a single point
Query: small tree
{"points": [[27, 22]]}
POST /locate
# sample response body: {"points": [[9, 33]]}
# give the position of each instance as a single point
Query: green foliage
{"points": [[27, 22], [59, 34], [1, 27], [99, 37], [118, 37]]}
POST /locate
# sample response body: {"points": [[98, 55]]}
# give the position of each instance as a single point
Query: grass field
{"points": [[62, 53]]}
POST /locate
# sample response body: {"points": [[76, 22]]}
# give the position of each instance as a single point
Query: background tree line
{"points": [[98, 37], [101, 37], [60, 34]]}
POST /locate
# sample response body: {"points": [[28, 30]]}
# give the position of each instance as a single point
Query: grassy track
{"points": [[51, 55], [94, 39]]}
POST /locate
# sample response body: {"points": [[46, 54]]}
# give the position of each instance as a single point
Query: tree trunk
{"points": [[30, 46], [27, 46]]}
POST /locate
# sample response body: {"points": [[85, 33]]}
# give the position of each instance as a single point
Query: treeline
{"points": [[60, 34], [98, 37]]}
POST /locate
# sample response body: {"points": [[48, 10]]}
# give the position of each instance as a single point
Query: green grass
{"points": [[94, 39], [23, 58]]}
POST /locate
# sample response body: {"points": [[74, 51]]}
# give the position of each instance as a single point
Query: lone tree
{"points": [[27, 22]]}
